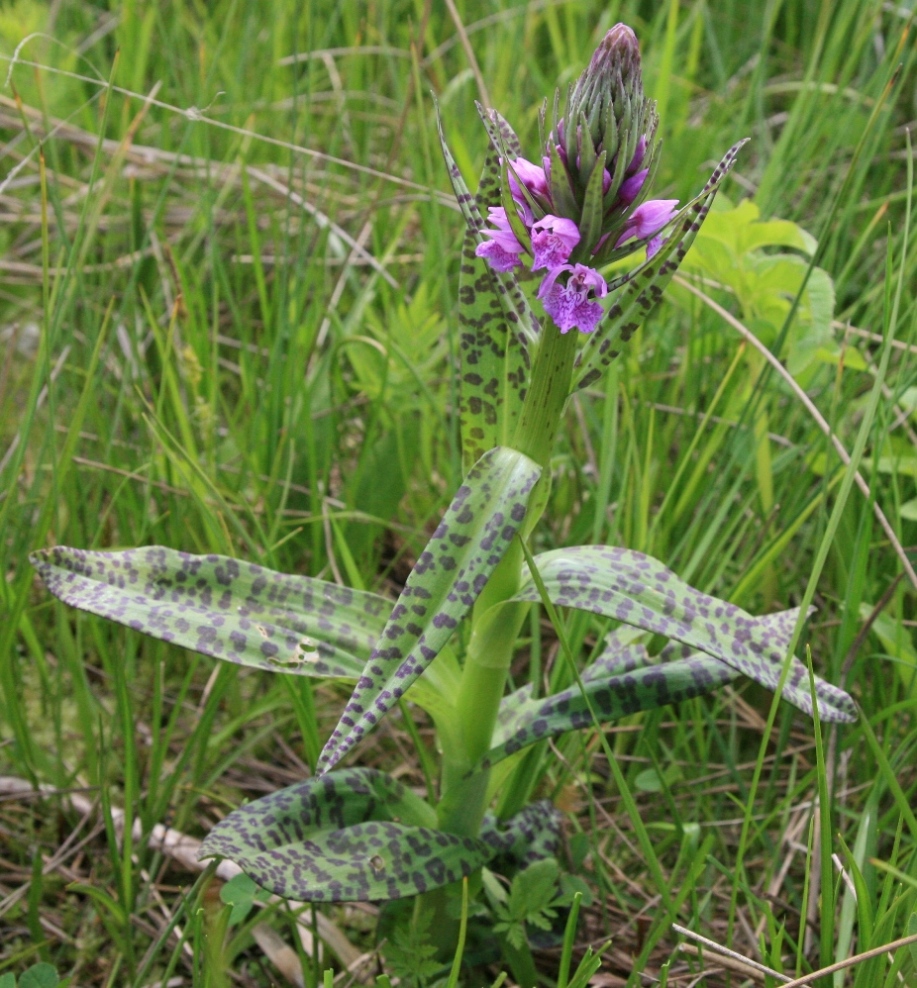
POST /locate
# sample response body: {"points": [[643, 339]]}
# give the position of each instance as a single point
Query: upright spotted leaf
{"points": [[637, 293], [638, 590], [450, 574], [496, 321], [222, 607]]}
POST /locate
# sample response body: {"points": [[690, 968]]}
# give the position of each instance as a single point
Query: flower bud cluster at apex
{"points": [[575, 212]]}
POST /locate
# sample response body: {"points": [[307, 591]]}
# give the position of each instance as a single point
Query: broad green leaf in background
{"points": [[897, 643], [449, 575], [636, 293], [222, 607], [41, 975], [737, 251], [496, 319], [638, 590]]}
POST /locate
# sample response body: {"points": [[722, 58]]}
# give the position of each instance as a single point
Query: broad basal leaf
{"points": [[621, 681], [638, 292], [496, 320], [222, 607], [359, 835], [448, 577], [342, 838], [640, 591]]}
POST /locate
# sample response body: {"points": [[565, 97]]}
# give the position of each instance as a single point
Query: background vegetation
{"points": [[229, 262]]}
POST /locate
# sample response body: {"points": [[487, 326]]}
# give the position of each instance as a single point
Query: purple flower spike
{"points": [[503, 249], [648, 219], [570, 304], [552, 240]]}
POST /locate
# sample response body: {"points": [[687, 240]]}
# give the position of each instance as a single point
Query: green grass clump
{"points": [[229, 264]]}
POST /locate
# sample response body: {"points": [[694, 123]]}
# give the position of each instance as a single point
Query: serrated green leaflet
{"points": [[495, 317], [449, 575], [360, 835], [222, 607], [621, 681], [638, 292], [638, 590]]}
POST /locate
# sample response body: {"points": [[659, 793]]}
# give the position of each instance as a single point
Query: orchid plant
{"points": [[541, 237]]}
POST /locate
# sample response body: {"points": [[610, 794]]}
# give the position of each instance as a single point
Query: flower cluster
{"points": [[587, 200]]}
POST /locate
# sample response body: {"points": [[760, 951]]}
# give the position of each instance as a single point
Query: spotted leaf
{"points": [[638, 292], [638, 590], [496, 321], [621, 681], [360, 835], [352, 835], [222, 607], [448, 577]]}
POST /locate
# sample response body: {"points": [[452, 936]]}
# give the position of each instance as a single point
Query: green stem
{"points": [[495, 629], [546, 396]]}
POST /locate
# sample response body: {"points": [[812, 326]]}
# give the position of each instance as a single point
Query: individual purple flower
{"points": [[553, 238], [630, 187], [648, 219], [503, 249], [572, 304], [637, 159], [530, 175]]}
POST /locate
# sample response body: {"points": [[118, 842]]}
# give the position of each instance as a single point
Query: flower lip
{"points": [[553, 238], [572, 305]]}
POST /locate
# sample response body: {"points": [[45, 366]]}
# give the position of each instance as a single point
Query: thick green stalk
{"points": [[495, 630], [546, 395]]}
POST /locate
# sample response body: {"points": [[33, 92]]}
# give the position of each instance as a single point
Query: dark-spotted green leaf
{"points": [[222, 607], [621, 681], [360, 835], [531, 835], [353, 835], [642, 688], [638, 292], [450, 574], [638, 590], [496, 320]]}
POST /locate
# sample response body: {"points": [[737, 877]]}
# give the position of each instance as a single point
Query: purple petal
{"points": [[630, 187], [637, 159], [648, 219], [553, 238], [503, 249], [653, 246], [530, 175]]}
